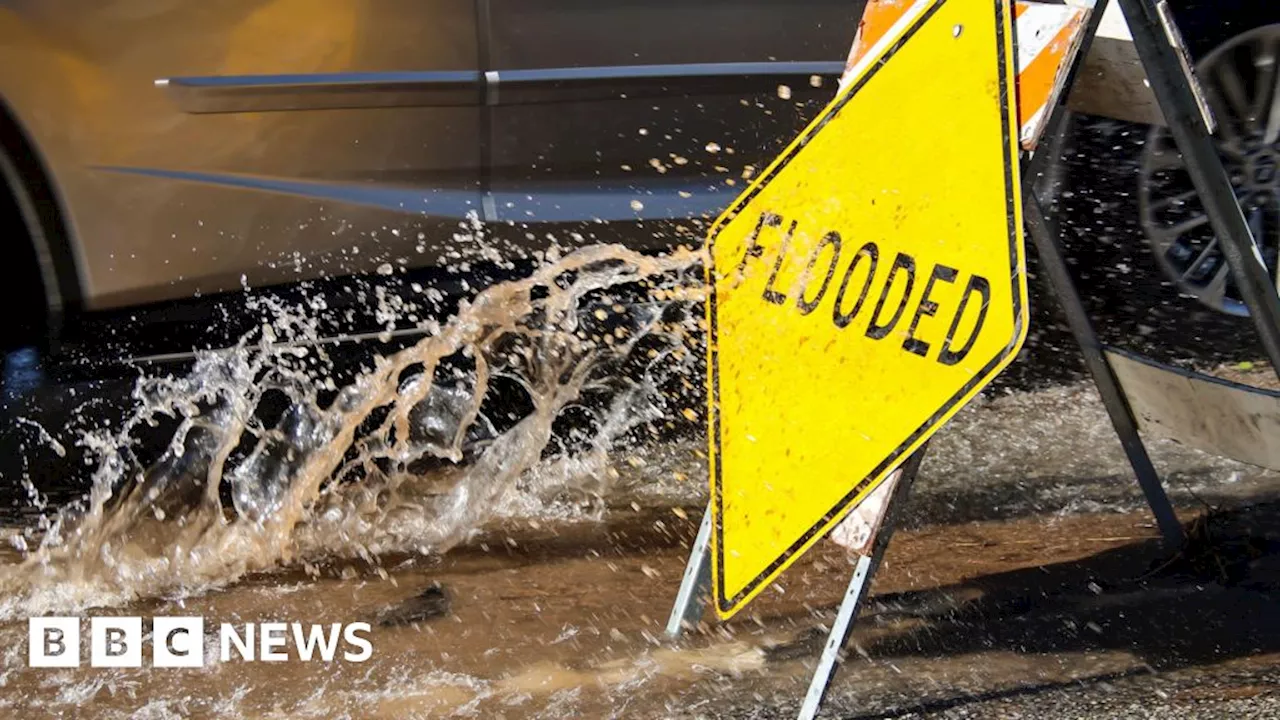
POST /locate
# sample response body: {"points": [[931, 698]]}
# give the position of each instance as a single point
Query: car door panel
{"points": [[285, 139], [659, 109]]}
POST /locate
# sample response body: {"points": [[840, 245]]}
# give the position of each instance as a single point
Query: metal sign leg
{"points": [[856, 593], [1044, 234], [696, 582], [840, 631]]}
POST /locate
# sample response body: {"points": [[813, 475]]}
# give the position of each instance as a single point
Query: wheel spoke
{"points": [[1180, 198], [1216, 289], [1200, 258], [1257, 224], [1176, 231], [1267, 102], [1264, 65], [1228, 133], [1233, 89]]}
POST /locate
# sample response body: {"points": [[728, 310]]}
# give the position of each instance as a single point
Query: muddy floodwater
{"points": [[567, 622], [1016, 574], [507, 505]]}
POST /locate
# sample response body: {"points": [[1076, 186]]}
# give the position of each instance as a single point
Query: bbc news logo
{"points": [[180, 642]]}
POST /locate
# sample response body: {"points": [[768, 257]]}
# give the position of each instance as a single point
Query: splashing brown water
{"points": [[416, 454]]}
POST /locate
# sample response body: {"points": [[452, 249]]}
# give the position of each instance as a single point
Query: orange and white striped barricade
{"points": [[1049, 38]]}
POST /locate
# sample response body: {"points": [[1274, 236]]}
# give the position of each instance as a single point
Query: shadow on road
{"points": [[1214, 601]]}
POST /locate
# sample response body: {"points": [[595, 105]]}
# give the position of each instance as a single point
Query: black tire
{"points": [[27, 318], [38, 275]]}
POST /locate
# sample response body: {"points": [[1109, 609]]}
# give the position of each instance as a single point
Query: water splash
{"points": [[272, 462]]}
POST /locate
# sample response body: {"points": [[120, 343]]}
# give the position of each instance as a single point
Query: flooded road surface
{"points": [[508, 502], [1028, 579], [569, 625]]}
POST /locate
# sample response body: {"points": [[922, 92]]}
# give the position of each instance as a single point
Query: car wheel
{"points": [[1240, 76]]}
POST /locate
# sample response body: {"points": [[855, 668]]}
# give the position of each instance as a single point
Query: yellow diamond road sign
{"points": [[864, 288]]}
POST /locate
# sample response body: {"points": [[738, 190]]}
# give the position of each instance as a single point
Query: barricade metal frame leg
{"points": [[859, 585], [1045, 235], [695, 584]]}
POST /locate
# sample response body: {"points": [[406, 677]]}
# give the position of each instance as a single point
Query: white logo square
{"points": [[177, 642], [53, 642], [115, 642]]}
